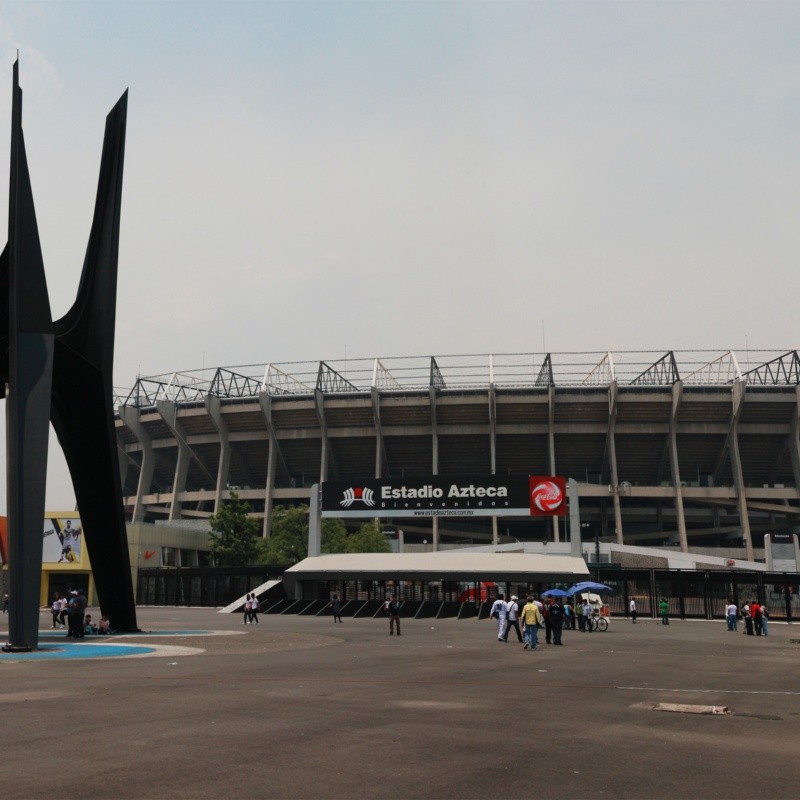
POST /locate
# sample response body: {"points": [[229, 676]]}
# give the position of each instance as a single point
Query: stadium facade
{"points": [[690, 449]]}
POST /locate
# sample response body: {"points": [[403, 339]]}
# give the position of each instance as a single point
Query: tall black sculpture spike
{"points": [[30, 369], [63, 371]]}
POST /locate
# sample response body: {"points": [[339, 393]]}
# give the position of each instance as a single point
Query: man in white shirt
{"points": [[512, 621], [498, 612], [632, 607], [731, 614]]}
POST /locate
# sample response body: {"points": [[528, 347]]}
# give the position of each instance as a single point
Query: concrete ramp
{"points": [[238, 605]]}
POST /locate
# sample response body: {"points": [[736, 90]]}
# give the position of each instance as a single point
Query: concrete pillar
{"points": [[380, 450], [794, 440], [736, 467], [168, 410], [314, 523], [612, 460], [213, 406], [274, 459], [434, 432], [130, 416], [319, 400], [551, 447], [435, 459], [574, 519], [674, 464]]}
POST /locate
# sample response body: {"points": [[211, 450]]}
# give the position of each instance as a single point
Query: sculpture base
{"points": [[16, 648]]}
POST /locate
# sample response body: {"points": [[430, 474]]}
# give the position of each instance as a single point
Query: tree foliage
{"points": [[234, 534], [288, 543], [368, 539]]}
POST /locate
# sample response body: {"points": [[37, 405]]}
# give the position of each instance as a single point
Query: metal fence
{"points": [[199, 586], [691, 594]]}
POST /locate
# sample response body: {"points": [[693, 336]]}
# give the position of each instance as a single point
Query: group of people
{"points": [[552, 615], [250, 609], [754, 614], [70, 613]]}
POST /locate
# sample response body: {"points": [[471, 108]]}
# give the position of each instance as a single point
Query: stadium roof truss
{"points": [[459, 373]]}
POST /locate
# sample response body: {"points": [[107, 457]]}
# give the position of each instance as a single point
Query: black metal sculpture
{"points": [[62, 371]]}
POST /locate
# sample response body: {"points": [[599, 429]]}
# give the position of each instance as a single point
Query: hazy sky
{"points": [[410, 178]]}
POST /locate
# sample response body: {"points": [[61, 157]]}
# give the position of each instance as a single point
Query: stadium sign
{"points": [[445, 496]]}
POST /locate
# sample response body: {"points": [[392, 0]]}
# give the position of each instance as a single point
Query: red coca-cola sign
{"points": [[548, 496]]}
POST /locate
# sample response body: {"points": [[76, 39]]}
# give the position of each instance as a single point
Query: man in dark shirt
{"points": [[393, 612], [77, 608], [556, 617]]}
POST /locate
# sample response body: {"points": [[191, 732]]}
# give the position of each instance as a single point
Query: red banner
{"points": [[548, 496]]}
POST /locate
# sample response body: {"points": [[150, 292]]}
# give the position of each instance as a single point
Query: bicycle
{"points": [[598, 623]]}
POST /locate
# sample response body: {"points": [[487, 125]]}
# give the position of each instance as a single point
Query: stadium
{"points": [[686, 449]]}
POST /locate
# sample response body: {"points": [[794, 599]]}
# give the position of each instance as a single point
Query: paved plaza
{"points": [[300, 707]]}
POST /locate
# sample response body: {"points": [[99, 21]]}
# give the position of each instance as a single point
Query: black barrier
{"points": [[701, 594], [691, 594], [200, 586]]}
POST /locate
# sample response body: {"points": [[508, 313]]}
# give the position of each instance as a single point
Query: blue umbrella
{"points": [[555, 593], [589, 586]]}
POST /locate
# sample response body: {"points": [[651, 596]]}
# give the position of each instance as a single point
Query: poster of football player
{"points": [[62, 541]]}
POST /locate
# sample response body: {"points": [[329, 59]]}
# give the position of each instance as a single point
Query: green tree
{"points": [[368, 539], [234, 534], [334, 536], [288, 542]]}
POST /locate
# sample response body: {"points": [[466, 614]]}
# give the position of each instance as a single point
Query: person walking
{"points": [[246, 617], [254, 608], [755, 613], [512, 618], [663, 608], [764, 620], [548, 628], [731, 614], [587, 616], [531, 620], [632, 608], [748, 620], [556, 615], [55, 608], [498, 612], [336, 608], [392, 607], [77, 608], [63, 614]]}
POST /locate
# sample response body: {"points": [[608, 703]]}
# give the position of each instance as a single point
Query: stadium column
{"points": [[130, 415], [493, 445], [677, 396], [551, 446], [380, 449], [435, 460], [319, 402], [794, 439], [212, 403], [168, 411], [123, 459], [275, 456], [612, 459], [737, 394]]}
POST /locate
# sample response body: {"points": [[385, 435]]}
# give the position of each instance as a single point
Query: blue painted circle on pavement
{"points": [[49, 652]]}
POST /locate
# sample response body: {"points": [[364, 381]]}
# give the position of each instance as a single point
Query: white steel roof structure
{"points": [[448, 566]]}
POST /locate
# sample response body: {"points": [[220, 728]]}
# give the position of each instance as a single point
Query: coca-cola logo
{"points": [[547, 496]]}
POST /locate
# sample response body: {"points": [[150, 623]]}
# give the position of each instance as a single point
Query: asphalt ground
{"points": [[300, 707]]}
